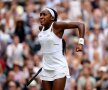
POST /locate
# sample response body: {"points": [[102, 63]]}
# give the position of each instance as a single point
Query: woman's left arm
{"points": [[71, 25]]}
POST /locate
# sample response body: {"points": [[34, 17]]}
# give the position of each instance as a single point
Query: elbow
{"points": [[81, 26]]}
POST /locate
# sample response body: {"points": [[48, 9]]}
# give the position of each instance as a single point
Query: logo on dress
{"points": [[56, 44]]}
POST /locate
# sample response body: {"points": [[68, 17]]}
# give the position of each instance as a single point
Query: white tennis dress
{"points": [[54, 62]]}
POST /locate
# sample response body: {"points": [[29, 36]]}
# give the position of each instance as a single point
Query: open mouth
{"points": [[42, 21]]}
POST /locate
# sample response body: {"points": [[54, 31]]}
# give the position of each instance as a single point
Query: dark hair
{"points": [[56, 15], [84, 61]]}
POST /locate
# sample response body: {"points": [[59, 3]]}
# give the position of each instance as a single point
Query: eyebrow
{"points": [[44, 12]]}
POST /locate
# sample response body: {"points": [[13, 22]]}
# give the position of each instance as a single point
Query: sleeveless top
{"points": [[50, 43], [51, 48]]}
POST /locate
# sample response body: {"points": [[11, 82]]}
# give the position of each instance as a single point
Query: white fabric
{"points": [[75, 9], [91, 50], [51, 11], [14, 52], [50, 43], [5, 37], [81, 41], [54, 63], [54, 66]]}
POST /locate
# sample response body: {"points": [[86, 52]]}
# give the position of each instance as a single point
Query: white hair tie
{"points": [[51, 11]]}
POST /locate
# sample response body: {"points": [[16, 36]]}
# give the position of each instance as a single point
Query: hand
{"points": [[79, 48]]}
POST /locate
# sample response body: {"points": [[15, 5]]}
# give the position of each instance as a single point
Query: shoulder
{"points": [[67, 25], [81, 81], [93, 79], [59, 24], [68, 22]]}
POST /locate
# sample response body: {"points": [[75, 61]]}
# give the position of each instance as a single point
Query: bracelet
{"points": [[81, 41]]}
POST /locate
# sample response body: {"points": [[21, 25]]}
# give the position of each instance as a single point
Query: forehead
{"points": [[45, 11]]}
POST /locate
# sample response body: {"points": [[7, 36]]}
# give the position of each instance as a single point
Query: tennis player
{"points": [[55, 67]]}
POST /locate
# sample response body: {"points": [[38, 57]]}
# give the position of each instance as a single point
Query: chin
{"points": [[42, 24]]}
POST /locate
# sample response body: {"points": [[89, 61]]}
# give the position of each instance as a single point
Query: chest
{"points": [[46, 37]]}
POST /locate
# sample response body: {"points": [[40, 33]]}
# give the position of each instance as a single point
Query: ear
{"points": [[52, 18]]}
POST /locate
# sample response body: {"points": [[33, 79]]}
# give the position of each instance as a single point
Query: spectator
{"points": [[86, 10], [103, 82], [14, 50], [33, 41], [85, 76], [20, 30], [13, 86], [96, 19], [33, 86], [2, 76], [10, 77], [95, 47], [19, 74], [89, 85], [5, 37]]}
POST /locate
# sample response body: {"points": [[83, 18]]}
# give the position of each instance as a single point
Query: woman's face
{"points": [[45, 17]]}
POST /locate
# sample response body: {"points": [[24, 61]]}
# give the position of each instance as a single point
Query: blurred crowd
{"points": [[20, 56]]}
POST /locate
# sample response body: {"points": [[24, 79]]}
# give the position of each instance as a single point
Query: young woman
{"points": [[55, 68]]}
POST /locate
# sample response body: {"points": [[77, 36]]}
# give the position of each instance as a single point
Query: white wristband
{"points": [[81, 41]]}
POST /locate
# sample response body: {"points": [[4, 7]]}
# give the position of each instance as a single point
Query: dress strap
{"points": [[51, 27], [42, 28]]}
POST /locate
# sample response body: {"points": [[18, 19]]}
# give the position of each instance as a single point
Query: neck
{"points": [[47, 26]]}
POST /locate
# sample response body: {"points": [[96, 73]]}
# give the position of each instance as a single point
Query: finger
{"points": [[79, 50], [76, 49]]}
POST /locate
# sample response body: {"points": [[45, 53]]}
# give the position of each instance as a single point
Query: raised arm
{"points": [[61, 26], [71, 25]]}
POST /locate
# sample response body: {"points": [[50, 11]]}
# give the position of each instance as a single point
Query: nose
{"points": [[41, 16]]}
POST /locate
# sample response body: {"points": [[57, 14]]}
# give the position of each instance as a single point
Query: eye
{"points": [[40, 14], [44, 14]]}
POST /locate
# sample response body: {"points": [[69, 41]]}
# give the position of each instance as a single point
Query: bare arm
{"points": [[61, 26]]}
